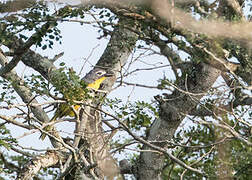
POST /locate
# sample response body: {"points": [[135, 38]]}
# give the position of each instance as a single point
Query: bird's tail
{"points": [[47, 128]]}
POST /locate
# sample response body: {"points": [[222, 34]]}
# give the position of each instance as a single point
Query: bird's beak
{"points": [[109, 73]]}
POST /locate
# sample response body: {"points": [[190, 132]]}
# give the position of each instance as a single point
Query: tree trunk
{"points": [[173, 109]]}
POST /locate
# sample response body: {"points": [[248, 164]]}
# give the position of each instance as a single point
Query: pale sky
{"points": [[77, 43]]}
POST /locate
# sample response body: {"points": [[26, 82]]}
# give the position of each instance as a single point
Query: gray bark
{"points": [[114, 57], [173, 110]]}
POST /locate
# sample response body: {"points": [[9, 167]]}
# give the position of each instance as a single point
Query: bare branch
{"points": [[152, 146], [42, 161], [12, 121], [197, 161], [19, 52], [229, 129], [23, 91]]}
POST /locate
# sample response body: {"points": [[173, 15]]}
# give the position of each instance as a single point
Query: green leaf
{"points": [[44, 47], [62, 64]]}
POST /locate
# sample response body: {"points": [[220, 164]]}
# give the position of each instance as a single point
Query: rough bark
{"points": [[173, 109], [15, 5], [23, 91], [33, 167], [113, 58]]}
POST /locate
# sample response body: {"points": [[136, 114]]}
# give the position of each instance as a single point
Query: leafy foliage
{"points": [[214, 150], [221, 157], [67, 83], [136, 115], [7, 94], [6, 138]]}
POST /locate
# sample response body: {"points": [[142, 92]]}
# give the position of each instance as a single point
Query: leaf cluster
{"points": [[38, 84], [229, 159], [136, 115], [69, 84], [5, 137], [7, 91]]}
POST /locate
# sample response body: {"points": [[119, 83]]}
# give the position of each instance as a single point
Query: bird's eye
{"points": [[99, 73]]}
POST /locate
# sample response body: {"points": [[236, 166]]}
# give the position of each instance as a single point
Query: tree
{"points": [[203, 43]]}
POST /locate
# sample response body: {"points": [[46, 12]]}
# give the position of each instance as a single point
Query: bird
{"points": [[94, 80]]}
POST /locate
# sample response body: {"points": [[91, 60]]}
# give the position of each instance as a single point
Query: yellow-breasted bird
{"points": [[94, 80]]}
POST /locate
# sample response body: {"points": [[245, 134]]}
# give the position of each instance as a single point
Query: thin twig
{"points": [[154, 147]]}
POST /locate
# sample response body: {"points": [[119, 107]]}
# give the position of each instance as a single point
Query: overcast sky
{"points": [[77, 44]]}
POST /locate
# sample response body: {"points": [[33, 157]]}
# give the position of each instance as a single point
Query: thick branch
{"points": [[15, 5], [89, 129], [173, 111], [24, 92], [114, 57], [20, 50], [33, 167]]}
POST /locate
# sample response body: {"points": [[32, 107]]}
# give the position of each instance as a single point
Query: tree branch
{"points": [[42, 161], [23, 91], [172, 112], [19, 51]]}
